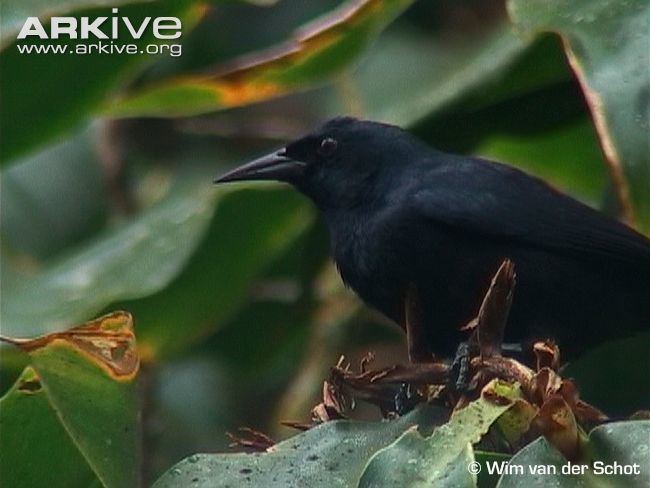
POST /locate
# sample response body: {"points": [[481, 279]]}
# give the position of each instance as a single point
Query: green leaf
{"points": [[487, 94], [147, 261], [330, 455], [250, 227], [36, 449], [505, 116], [625, 443], [443, 458], [420, 75], [87, 377], [610, 376], [412, 461], [567, 156], [133, 260], [486, 479], [607, 45], [479, 94], [54, 199], [45, 95], [320, 51]]}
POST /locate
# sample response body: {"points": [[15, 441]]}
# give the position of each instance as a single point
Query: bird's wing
{"points": [[494, 200]]}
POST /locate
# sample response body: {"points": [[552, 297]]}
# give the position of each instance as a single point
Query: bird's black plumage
{"points": [[402, 216]]}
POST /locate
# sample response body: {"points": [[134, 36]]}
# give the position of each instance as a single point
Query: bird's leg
{"points": [[405, 399], [415, 335], [487, 328], [459, 372], [417, 347]]}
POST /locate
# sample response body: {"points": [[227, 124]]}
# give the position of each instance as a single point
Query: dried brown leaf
{"points": [[543, 385], [254, 440], [547, 354], [557, 423], [494, 311], [504, 368], [108, 341], [583, 411]]}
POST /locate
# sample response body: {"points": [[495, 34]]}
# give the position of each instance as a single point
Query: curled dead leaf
{"points": [[498, 392], [547, 354], [332, 407], [544, 384], [584, 412], [494, 311], [505, 368], [540, 401], [381, 387], [556, 422], [109, 341], [254, 440], [516, 421]]}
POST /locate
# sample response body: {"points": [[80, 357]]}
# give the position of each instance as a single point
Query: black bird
{"points": [[405, 218]]}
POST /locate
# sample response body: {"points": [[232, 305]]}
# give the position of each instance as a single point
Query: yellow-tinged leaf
{"points": [[606, 44], [516, 421], [87, 377], [109, 341], [315, 53], [442, 458]]}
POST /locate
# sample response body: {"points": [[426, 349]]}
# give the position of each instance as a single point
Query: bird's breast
{"points": [[366, 263]]}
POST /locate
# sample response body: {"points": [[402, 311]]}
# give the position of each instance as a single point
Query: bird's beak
{"points": [[275, 166]]}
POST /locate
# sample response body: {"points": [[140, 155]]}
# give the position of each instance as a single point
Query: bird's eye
{"points": [[327, 146]]}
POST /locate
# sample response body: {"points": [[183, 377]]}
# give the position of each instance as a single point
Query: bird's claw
{"points": [[405, 399], [459, 372]]}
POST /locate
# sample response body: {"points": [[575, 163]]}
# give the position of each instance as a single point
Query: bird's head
{"points": [[338, 165]]}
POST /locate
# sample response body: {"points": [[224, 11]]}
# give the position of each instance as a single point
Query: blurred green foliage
{"points": [[238, 312]]}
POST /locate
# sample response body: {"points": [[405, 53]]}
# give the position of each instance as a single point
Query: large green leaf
{"points": [[487, 478], [53, 200], [559, 146], [86, 379], [134, 260], [479, 94], [422, 74], [250, 228], [317, 53], [567, 156], [612, 376], [624, 443], [330, 455], [607, 45], [411, 461], [443, 458], [143, 258], [36, 449], [45, 95]]}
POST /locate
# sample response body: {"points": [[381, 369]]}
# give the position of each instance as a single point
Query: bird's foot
{"points": [[459, 372], [405, 399]]}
